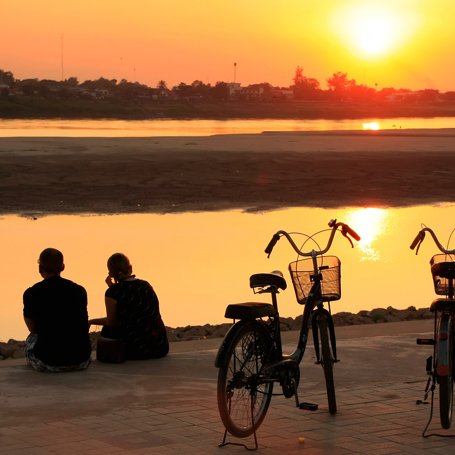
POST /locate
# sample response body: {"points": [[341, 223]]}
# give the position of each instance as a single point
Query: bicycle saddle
{"points": [[444, 269], [268, 279]]}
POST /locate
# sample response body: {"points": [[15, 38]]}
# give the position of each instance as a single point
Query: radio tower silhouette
{"points": [[61, 42]]}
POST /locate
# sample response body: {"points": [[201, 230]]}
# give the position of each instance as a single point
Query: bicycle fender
{"points": [[331, 328], [443, 346], [221, 356]]}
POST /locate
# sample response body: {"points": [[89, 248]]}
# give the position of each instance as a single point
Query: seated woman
{"points": [[133, 313]]}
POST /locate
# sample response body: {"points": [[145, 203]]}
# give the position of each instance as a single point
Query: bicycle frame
{"points": [[315, 296], [250, 358], [440, 365]]}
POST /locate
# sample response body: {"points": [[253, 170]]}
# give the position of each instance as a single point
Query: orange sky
{"points": [[394, 43]]}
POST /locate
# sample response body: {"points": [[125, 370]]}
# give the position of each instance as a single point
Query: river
{"points": [[164, 127], [200, 262]]}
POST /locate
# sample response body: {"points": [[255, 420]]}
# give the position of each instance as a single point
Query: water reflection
{"points": [[200, 262], [196, 127], [370, 223]]}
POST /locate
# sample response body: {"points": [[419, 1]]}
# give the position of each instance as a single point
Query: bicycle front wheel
{"points": [[327, 363], [446, 356], [243, 395]]}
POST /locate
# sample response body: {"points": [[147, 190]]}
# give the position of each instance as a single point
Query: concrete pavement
{"points": [[169, 405]]}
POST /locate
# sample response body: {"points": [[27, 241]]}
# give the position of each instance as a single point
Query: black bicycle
{"points": [[440, 366], [250, 359]]}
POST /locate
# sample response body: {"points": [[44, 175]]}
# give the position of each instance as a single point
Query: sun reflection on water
{"points": [[371, 224]]}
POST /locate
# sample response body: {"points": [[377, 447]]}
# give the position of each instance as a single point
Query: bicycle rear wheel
{"points": [[243, 396], [445, 350], [327, 363]]}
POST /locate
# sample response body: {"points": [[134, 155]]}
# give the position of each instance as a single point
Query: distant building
{"points": [[234, 88]]}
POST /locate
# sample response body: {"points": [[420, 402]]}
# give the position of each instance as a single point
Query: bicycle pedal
{"points": [[428, 341], [308, 406]]}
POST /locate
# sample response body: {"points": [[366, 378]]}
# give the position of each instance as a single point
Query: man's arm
{"points": [[98, 321], [30, 323]]}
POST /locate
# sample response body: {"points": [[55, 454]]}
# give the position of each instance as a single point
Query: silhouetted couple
{"points": [[55, 312]]}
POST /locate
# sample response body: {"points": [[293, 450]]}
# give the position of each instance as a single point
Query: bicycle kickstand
{"points": [[303, 405], [224, 443]]}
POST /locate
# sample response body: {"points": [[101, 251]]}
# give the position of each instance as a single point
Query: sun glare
{"points": [[371, 126], [372, 30], [373, 34]]}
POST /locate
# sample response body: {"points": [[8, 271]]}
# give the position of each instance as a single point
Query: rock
{"points": [[6, 351], [221, 331], [15, 343], [287, 324], [172, 337], [18, 353], [284, 328], [193, 333], [364, 313], [15, 349]]}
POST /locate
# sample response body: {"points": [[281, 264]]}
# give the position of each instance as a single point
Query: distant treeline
{"points": [[104, 98]]}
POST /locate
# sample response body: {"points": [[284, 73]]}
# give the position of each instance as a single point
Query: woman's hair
{"points": [[119, 266]]}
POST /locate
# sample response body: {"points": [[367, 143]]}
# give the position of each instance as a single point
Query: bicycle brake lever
{"points": [[345, 234], [418, 246]]}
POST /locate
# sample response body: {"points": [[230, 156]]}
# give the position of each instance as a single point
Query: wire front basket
{"points": [[302, 273], [441, 285]]}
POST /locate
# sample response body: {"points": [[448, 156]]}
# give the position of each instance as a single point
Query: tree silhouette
{"points": [[305, 87], [339, 82], [6, 78]]}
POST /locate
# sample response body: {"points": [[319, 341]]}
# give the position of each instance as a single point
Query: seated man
{"points": [[55, 311]]}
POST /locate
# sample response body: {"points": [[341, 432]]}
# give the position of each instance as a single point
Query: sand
{"points": [[394, 168]]}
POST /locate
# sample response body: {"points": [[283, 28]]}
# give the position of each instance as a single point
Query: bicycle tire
{"points": [[327, 363], [242, 399], [446, 381]]}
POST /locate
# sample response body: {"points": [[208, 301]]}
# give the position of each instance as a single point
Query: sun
{"points": [[373, 34], [372, 30]]}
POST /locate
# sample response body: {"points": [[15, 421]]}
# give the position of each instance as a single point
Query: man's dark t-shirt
{"points": [[59, 309]]}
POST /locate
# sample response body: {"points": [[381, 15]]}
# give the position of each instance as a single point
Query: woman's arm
{"points": [[111, 311]]}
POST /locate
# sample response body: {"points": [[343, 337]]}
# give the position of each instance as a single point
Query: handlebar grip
{"points": [[352, 233], [419, 238], [272, 243]]}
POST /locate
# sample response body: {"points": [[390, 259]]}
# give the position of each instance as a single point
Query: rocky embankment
{"points": [[15, 349]]}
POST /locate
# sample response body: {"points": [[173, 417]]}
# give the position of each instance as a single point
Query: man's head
{"points": [[51, 261]]}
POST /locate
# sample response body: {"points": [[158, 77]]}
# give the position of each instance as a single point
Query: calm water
{"points": [[200, 262], [163, 127]]}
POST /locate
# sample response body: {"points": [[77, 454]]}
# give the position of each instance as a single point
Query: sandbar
{"points": [[251, 172]]}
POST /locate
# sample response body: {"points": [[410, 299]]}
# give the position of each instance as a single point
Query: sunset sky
{"points": [[391, 43]]}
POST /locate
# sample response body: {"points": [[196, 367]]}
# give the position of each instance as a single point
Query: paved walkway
{"points": [[169, 406]]}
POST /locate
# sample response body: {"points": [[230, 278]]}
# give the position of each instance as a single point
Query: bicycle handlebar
{"points": [[345, 230], [419, 239], [421, 236], [351, 232]]}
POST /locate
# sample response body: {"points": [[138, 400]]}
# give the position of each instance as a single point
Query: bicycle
{"points": [[250, 358], [440, 365]]}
